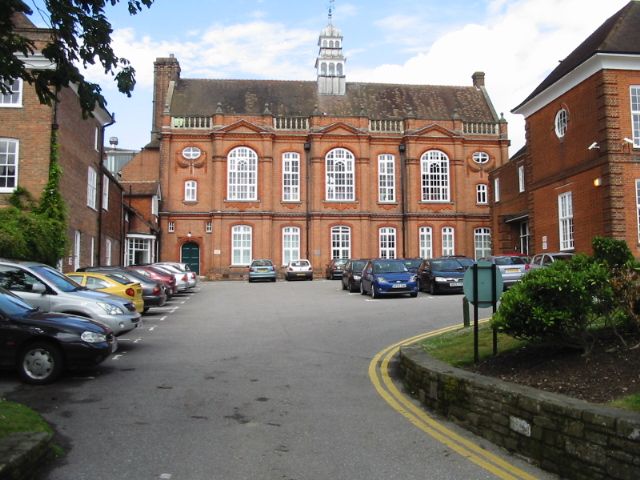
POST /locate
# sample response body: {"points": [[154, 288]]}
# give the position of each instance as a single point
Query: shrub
{"points": [[612, 252], [560, 304]]}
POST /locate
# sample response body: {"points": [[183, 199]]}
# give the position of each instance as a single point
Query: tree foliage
{"points": [[81, 36]]}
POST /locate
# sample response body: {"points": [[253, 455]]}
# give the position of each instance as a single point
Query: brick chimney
{"points": [[165, 70], [478, 79]]}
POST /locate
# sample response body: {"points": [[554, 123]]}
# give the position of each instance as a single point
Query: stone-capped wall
{"points": [[572, 438]]}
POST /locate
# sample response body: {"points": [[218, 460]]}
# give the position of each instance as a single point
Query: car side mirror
{"points": [[38, 288]]}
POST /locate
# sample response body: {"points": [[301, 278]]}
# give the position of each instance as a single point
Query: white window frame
{"points": [[482, 196], [77, 247], [92, 187], [14, 99], [171, 226], [565, 221], [191, 191], [208, 227], [496, 190], [425, 240], [290, 244], [525, 236], [242, 174], [139, 243], [340, 241], [290, 177], [105, 192], [92, 249], [634, 94], [340, 175], [480, 157], [638, 206], [561, 122], [387, 241], [107, 252], [9, 160], [434, 174], [241, 245], [520, 178], [386, 178], [448, 241], [191, 153], [154, 205], [482, 242], [96, 139]]}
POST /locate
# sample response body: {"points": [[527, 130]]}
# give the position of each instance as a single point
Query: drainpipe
{"points": [[101, 186], [402, 148], [307, 154]]}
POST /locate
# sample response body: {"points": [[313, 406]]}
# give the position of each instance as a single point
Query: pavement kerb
{"points": [[24, 454]]}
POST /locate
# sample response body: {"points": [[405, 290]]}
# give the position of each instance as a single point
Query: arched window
{"points": [[482, 242], [426, 242], [434, 169], [323, 68], [387, 242], [190, 191], [290, 244], [340, 242], [324, 43], [561, 122], [340, 175], [332, 69], [331, 44], [241, 239], [242, 174], [337, 44], [339, 69]]}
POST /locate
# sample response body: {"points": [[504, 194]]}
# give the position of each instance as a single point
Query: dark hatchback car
{"points": [[167, 280], [335, 268], [443, 274], [153, 293], [352, 273], [387, 277], [412, 264], [42, 345]]}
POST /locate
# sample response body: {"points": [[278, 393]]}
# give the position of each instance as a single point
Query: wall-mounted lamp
{"points": [[627, 140], [597, 182], [594, 146], [307, 146], [189, 234], [402, 148]]}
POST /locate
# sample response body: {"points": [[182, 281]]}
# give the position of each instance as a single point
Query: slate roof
{"points": [[620, 34], [197, 97], [141, 188]]}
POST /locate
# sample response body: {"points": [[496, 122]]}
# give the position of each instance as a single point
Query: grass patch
{"points": [[631, 402], [456, 347], [15, 417]]}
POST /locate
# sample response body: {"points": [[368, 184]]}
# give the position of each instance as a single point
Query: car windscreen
{"points": [[299, 263], [413, 263], [261, 263], [465, 262], [118, 278], [13, 305], [447, 265], [58, 279], [389, 267], [510, 261], [358, 265]]}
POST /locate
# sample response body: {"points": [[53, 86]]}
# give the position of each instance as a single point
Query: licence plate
{"points": [[263, 270], [512, 270], [455, 284], [300, 274], [399, 285]]}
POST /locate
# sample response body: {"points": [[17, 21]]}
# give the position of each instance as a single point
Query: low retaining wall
{"points": [[569, 437]]}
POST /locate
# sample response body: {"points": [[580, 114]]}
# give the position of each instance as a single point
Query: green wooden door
{"points": [[191, 256]]}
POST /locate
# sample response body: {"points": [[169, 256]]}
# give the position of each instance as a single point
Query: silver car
{"points": [[192, 278], [45, 287], [182, 279], [512, 267]]}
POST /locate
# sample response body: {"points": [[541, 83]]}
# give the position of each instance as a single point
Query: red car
{"points": [[167, 280]]}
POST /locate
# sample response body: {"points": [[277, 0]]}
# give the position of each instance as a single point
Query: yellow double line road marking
{"points": [[379, 375]]}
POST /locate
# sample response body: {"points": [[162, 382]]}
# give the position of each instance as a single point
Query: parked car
{"points": [[112, 283], [45, 287], [192, 278], [299, 269], [412, 264], [262, 269], [153, 292], [42, 345], [545, 259], [512, 267], [443, 274], [386, 277], [352, 273], [168, 280], [335, 268], [182, 279]]}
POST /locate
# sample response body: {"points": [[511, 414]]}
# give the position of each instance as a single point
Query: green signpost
{"points": [[482, 285]]}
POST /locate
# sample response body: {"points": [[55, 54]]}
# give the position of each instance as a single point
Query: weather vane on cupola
{"points": [[331, 7]]}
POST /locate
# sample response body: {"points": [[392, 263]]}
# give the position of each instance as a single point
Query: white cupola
{"points": [[330, 61]]}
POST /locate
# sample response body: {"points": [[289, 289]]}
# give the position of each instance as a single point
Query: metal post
{"points": [[465, 312], [494, 302], [476, 355]]}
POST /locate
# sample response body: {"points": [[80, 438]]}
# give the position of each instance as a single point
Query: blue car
{"points": [[387, 277], [262, 269]]}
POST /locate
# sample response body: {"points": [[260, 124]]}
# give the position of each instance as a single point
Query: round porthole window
{"points": [[191, 153], [562, 121], [480, 157]]}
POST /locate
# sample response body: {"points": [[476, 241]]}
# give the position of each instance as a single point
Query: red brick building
{"points": [[579, 174], [302, 169], [93, 196]]}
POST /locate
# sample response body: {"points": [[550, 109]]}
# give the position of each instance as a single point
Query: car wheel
{"points": [[413, 294], [374, 292], [145, 309], [344, 287], [362, 290], [273, 279], [311, 277], [40, 363], [419, 285], [432, 288]]}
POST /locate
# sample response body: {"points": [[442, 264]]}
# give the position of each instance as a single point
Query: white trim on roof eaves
{"points": [[600, 61], [37, 61]]}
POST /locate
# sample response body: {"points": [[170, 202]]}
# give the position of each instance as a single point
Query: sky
{"points": [[515, 42]]}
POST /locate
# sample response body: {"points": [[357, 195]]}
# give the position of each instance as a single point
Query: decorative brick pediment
{"points": [[435, 130], [340, 128], [242, 126]]}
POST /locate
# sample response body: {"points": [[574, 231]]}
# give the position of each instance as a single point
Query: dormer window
{"points": [[191, 153], [561, 122]]}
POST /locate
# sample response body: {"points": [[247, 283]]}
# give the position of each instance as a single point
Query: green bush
{"points": [[560, 304], [612, 252]]}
